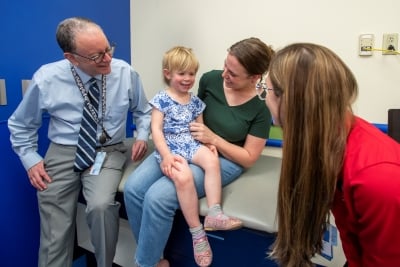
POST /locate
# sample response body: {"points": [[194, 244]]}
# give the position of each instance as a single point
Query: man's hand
{"points": [[139, 149], [38, 176]]}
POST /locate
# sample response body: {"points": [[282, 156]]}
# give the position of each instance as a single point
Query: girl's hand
{"points": [[166, 164], [180, 168]]}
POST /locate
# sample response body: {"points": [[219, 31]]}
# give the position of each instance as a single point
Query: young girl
{"points": [[173, 110]]}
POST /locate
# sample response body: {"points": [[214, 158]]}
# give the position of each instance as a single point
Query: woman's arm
{"points": [[245, 156]]}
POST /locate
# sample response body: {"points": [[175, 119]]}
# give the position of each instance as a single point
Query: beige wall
{"points": [[211, 26]]}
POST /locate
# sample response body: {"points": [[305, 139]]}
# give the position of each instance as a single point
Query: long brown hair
{"points": [[253, 54], [316, 90]]}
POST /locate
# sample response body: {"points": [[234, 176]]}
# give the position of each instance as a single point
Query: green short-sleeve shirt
{"points": [[233, 123]]}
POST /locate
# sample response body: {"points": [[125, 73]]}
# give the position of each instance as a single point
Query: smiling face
{"points": [[235, 75], [180, 66], [181, 81], [91, 43]]}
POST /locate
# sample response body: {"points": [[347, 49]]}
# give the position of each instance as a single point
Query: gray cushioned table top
{"points": [[251, 198]]}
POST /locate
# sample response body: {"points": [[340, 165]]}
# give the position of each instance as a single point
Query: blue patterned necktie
{"points": [[86, 148]]}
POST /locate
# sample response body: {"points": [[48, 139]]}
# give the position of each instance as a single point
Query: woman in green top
{"points": [[236, 122]]}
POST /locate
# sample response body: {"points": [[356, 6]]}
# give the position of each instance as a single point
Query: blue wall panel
{"points": [[27, 31]]}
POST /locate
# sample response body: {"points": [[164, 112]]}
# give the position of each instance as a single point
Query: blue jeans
{"points": [[151, 202]]}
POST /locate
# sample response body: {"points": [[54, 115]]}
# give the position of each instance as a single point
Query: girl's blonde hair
{"points": [[179, 58]]}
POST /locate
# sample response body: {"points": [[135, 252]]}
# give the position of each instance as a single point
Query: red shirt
{"points": [[367, 201]]}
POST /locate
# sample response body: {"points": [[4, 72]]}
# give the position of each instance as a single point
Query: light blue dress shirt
{"points": [[54, 90]]}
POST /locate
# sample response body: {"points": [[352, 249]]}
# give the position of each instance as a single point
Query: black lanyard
{"points": [[104, 135]]}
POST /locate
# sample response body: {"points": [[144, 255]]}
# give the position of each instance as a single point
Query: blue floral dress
{"points": [[176, 123]]}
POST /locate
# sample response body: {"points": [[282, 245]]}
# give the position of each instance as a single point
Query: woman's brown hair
{"points": [[253, 54], [316, 90]]}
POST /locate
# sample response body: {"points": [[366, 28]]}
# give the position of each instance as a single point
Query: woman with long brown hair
{"points": [[332, 161]]}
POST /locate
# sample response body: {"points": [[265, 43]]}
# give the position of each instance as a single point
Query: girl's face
{"points": [[235, 75], [181, 81], [273, 103]]}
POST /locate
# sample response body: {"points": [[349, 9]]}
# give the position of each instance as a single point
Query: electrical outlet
{"points": [[390, 44], [366, 44]]}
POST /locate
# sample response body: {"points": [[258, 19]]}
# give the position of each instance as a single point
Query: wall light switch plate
{"points": [[3, 94], [366, 44], [25, 84]]}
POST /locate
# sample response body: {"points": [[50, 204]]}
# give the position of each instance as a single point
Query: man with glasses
{"points": [[61, 89]]}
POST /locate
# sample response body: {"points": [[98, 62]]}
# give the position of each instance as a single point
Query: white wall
{"points": [[211, 26]]}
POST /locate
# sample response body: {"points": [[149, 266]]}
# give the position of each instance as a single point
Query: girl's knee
{"points": [[183, 181]]}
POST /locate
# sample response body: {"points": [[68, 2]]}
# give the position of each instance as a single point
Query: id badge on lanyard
{"points": [[329, 240], [98, 163]]}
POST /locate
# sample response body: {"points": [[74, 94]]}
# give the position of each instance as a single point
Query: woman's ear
{"points": [[255, 78]]}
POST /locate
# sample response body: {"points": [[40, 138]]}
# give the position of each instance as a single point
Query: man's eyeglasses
{"points": [[261, 89], [100, 56]]}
